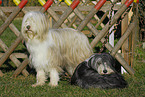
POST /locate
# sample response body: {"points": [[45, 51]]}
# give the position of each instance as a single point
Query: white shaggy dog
{"points": [[52, 50]]}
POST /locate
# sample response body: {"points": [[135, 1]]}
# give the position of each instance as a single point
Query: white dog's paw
{"points": [[38, 84], [54, 78], [53, 84]]}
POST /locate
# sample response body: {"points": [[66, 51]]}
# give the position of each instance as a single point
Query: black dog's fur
{"points": [[86, 74]]}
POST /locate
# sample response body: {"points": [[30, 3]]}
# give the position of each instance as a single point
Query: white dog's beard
{"points": [[30, 34]]}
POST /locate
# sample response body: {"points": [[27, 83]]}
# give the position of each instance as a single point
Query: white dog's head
{"points": [[34, 26]]}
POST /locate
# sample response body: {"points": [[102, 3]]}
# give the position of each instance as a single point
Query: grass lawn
{"points": [[21, 86]]}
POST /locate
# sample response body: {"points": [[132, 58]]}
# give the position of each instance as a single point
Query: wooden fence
{"points": [[69, 16]]}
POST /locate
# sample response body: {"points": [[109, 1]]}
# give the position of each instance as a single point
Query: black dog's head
{"points": [[102, 63]]}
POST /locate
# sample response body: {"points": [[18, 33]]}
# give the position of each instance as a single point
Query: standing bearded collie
{"points": [[52, 50]]}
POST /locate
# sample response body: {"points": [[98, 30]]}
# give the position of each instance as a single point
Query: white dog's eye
{"points": [[26, 25]]}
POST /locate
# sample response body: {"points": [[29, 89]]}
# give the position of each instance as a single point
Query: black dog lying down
{"points": [[98, 72]]}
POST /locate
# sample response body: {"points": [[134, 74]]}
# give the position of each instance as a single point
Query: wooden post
{"points": [[124, 26], [122, 39], [135, 32]]}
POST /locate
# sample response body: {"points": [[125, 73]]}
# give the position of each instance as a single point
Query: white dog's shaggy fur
{"points": [[52, 50]]}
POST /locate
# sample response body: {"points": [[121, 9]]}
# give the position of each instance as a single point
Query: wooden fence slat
{"points": [[17, 55]]}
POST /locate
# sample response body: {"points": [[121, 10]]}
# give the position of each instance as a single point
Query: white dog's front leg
{"points": [[54, 77], [41, 78]]}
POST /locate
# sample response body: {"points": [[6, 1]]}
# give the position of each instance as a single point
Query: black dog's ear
{"points": [[111, 59], [93, 59], [114, 63], [90, 60]]}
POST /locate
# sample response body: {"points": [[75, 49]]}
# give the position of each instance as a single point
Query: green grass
{"points": [[21, 86]]}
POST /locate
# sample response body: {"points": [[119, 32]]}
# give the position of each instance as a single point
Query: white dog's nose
{"points": [[28, 27]]}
